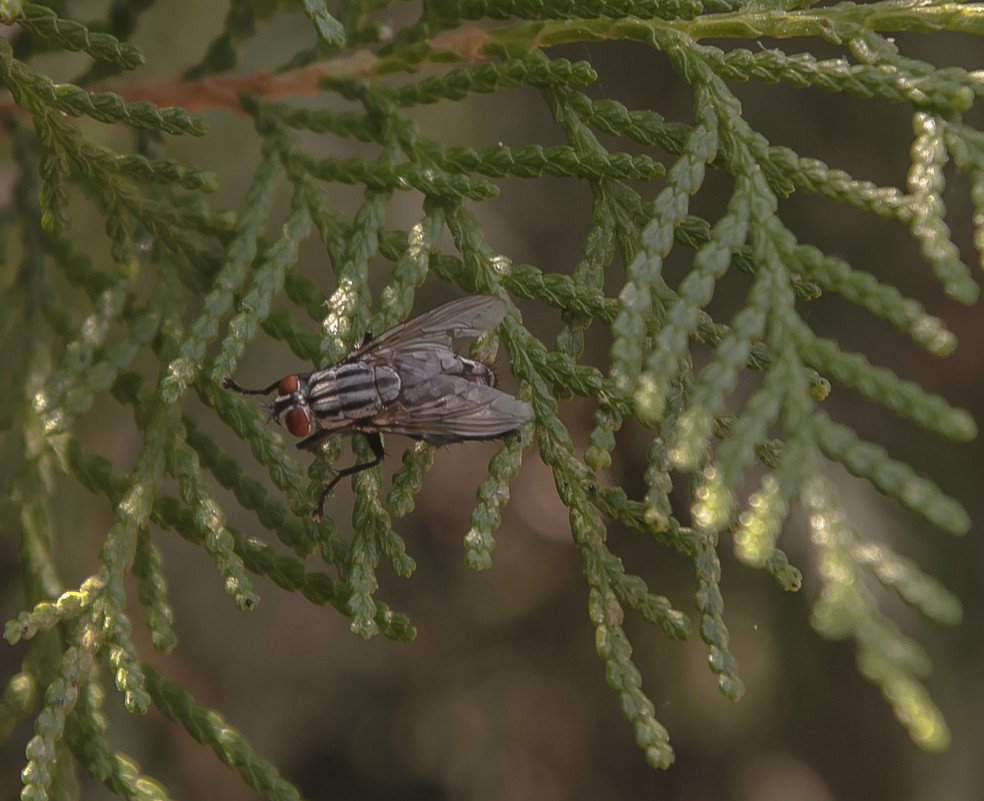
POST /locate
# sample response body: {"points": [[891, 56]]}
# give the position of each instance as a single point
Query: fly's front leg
{"points": [[375, 442], [228, 383]]}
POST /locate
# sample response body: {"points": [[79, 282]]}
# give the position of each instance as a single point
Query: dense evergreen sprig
{"points": [[188, 287]]}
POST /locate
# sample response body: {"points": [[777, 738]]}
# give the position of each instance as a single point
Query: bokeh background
{"points": [[502, 696]]}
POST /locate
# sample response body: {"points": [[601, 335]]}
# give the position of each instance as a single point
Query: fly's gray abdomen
{"points": [[423, 365], [352, 391], [473, 371]]}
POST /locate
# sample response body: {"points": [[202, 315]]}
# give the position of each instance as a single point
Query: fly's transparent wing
{"points": [[443, 396], [465, 317], [451, 409]]}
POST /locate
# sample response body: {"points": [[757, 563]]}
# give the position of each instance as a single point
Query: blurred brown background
{"points": [[501, 696]]}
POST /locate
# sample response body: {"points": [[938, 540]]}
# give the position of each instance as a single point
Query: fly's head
{"points": [[290, 408]]}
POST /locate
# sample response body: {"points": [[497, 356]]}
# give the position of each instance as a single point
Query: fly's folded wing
{"points": [[451, 409], [443, 396], [465, 317]]}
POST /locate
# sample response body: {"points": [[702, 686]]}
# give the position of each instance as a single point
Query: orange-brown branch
{"points": [[224, 91]]}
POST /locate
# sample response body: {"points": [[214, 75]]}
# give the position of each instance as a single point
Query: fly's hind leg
{"points": [[376, 443]]}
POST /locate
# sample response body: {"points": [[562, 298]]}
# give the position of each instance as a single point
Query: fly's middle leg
{"points": [[376, 443]]}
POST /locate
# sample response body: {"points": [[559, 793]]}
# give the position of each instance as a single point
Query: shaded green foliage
{"points": [[188, 287]]}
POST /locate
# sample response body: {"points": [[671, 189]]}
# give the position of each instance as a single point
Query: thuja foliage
{"points": [[185, 287]]}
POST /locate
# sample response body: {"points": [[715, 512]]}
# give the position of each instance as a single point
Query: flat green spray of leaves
{"points": [[150, 314]]}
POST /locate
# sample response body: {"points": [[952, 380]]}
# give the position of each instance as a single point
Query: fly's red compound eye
{"points": [[287, 386], [296, 421]]}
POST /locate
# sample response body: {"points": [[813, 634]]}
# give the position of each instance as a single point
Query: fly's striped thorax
{"points": [[351, 391]]}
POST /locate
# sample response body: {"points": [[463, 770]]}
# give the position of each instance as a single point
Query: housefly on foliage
{"points": [[407, 381]]}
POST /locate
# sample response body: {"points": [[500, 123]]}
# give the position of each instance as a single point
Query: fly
{"points": [[407, 381]]}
